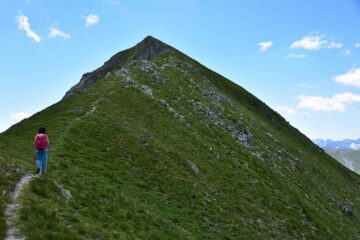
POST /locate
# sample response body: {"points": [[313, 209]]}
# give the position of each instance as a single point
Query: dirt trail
{"points": [[11, 210]]}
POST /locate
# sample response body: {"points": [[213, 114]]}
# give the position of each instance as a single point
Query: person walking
{"points": [[42, 146]]}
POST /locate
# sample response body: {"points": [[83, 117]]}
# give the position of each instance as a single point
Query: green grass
{"points": [[127, 167]]}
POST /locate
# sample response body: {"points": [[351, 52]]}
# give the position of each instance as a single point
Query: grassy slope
{"points": [[127, 166]]}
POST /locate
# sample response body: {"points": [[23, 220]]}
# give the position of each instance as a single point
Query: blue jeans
{"points": [[41, 158]]}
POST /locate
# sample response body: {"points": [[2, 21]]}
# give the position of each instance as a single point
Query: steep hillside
{"points": [[153, 145]]}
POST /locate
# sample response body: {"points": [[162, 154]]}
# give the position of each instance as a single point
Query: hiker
{"points": [[42, 145]]}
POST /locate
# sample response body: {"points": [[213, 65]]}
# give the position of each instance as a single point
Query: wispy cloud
{"points": [[315, 42], [357, 45], [336, 103], [264, 46], [347, 52], [293, 55], [334, 45], [55, 32], [303, 85], [113, 2], [23, 23], [286, 110], [17, 117], [91, 19], [350, 78]]}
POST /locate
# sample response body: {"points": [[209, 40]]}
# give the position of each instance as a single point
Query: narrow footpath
{"points": [[11, 209]]}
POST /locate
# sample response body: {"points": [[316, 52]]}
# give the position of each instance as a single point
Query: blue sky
{"points": [[300, 57]]}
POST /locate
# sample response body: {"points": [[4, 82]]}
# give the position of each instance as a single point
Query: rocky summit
{"points": [[153, 145]]}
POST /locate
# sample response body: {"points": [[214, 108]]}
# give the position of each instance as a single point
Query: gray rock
{"points": [[178, 116], [239, 124], [155, 76], [164, 103], [149, 47], [144, 50], [86, 80], [20, 170], [211, 93], [145, 89], [237, 130], [125, 75], [172, 110], [66, 194], [346, 210], [109, 74], [193, 167]]}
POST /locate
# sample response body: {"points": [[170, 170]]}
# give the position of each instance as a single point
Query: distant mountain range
{"points": [[342, 144], [346, 151], [350, 158]]}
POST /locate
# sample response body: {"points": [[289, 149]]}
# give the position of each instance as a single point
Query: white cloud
{"points": [[54, 32], [335, 45], [357, 45], [351, 78], [17, 117], [91, 19], [315, 42], [315, 103], [336, 103], [287, 110], [24, 25], [347, 52], [296, 56], [264, 46], [347, 97]]}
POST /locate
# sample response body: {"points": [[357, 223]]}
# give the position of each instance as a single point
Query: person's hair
{"points": [[42, 130]]}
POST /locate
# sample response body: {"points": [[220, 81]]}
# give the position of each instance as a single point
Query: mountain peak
{"points": [[149, 47], [144, 50], [150, 40]]}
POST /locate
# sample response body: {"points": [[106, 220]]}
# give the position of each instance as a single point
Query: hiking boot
{"points": [[37, 170]]}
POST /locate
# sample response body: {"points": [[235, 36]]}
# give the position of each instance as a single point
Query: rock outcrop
{"points": [[144, 50]]}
